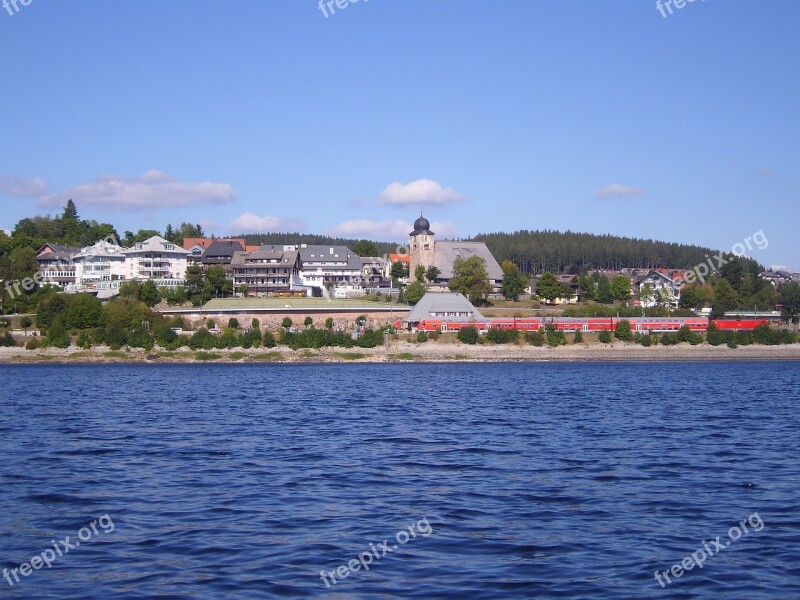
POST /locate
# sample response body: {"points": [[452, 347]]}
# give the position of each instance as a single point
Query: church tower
{"points": [[421, 245]]}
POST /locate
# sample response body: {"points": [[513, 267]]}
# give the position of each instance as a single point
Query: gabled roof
{"points": [[443, 302], [445, 254], [101, 249], [156, 244], [56, 252], [330, 254], [266, 253], [221, 251], [206, 242]]}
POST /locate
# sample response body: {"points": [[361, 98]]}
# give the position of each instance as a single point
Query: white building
{"points": [[320, 265], [102, 262], [155, 258]]}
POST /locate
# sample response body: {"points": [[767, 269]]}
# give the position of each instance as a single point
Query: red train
{"points": [[590, 324]]}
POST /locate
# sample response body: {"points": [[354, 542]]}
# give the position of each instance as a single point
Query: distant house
{"points": [[445, 307], [426, 251], [268, 271], [55, 263], [665, 290], [155, 258]]}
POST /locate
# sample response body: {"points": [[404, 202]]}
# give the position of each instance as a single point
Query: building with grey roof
{"points": [[445, 307], [268, 271], [55, 264], [221, 252], [321, 265]]}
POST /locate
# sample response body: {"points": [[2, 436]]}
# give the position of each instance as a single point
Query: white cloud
{"points": [[23, 187], [154, 189], [422, 192], [252, 223], [616, 190], [386, 230]]}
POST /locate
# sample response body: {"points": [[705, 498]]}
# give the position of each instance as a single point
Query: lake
{"points": [[400, 480]]}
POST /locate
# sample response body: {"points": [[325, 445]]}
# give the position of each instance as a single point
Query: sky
{"points": [[490, 115]]}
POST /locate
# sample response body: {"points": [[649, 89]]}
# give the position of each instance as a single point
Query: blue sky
{"points": [[493, 115]]}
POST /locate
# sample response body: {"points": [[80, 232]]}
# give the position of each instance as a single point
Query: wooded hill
{"points": [[569, 252]]}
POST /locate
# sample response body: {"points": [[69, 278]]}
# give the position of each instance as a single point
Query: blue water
{"points": [[538, 480]]}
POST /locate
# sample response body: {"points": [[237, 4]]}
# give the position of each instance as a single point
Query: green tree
{"points": [[48, 309], [514, 282], [23, 263], [365, 248], [548, 287], [233, 323], [308, 322], [398, 270], [57, 334], [286, 323], [414, 292], [269, 340], [696, 296], [470, 278], [578, 336], [244, 290], [148, 293], [218, 279], [432, 274], [587, 287], [255, 324], [604, 292], [329, 323], [419, 273], [623, 331], [725, 298], [790, 301], [85, 311], [195, 285], [646, 294], [26, 323], [621, 289]]}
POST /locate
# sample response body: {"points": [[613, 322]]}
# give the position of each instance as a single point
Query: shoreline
{"points": [[404, 352]]}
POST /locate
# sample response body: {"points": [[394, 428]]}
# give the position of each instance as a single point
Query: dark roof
{"points": [[221, 252], [328, 255], [421, 225], [59, 252]]}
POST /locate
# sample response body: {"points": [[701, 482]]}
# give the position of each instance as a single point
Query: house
{"points": [[321, 265], [445, 307], [664, 290], [426, 251], [268, 271], [55, 264], [221, 252], [103, 261], [155, 258]]}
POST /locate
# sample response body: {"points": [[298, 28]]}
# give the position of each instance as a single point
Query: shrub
{"points": [[535, 338], [84, 340], [140, 338], [502, 336], [422, 337], [578, 337], [555, 337], [646, 341], [269, 340], [7, 340], [233, 323], [32, 344], [210, 324], [468, 335], [604, 337], [669, 339], [623, 331], [57, 334]]}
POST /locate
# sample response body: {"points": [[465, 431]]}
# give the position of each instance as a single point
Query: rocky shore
{"points": [[408, 352]]}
